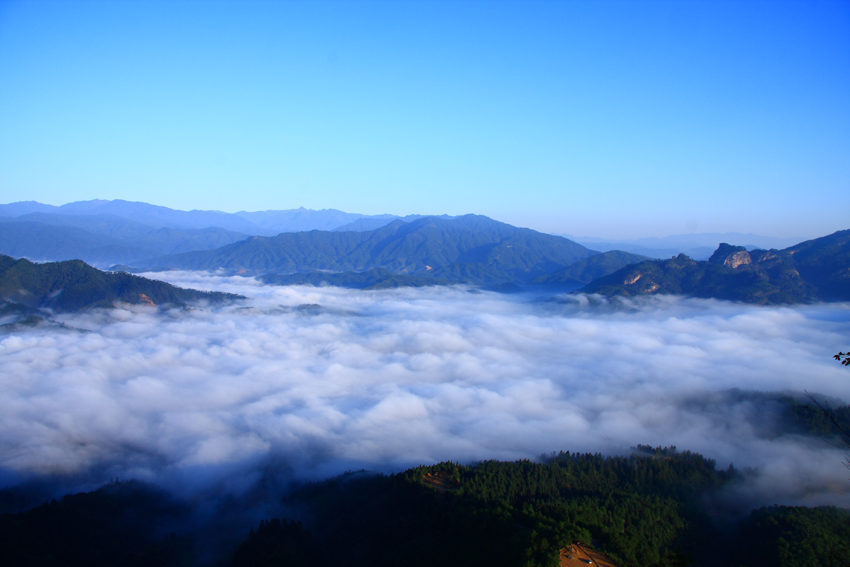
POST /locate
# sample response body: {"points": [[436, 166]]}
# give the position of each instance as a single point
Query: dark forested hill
{"points": [[815, 270], [653, 508], [791, 536], [825, 264], [433, 246], [74, 285]]}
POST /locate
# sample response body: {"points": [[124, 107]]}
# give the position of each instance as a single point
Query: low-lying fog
{"points": [[311, 382]]}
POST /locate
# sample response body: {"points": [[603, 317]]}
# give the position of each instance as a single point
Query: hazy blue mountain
{"points": [[374, 222], [421, 247], [155, 241], [24, 207], [107, 225], [698, 246], [296, 220], [264, 223], [101, 239], [365, 224], [74, 285], [815, 270], [159, 217], [43, 242]]}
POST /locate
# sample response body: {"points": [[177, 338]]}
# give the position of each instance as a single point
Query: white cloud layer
{"points": [[390, 379]]}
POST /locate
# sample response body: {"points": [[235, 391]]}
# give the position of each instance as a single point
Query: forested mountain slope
{"points": [[74, 285], [815, 270], [425, 245]]}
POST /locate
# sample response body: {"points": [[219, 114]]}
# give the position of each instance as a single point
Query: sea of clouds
{"points": [[310, 382]]}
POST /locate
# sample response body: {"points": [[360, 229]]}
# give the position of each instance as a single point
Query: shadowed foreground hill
{"points": [[815, 270], [74, 285], [653, 508], [790, 536]]}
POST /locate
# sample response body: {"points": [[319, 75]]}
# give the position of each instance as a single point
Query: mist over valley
{"points": [[327, 379]]}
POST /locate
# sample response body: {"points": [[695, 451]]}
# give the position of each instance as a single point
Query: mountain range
{"points": [[470, 248], [257, 223], [815, 270], [302, 246]]}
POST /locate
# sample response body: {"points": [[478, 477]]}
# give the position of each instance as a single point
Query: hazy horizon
{"points": [[614, 119], [590, 237]]}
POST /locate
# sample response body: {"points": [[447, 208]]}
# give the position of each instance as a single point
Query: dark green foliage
{"points": [[74, 285], [277, 544], [811, 420], [116, 525], [431, 246], [786, 536], [643, 510], [396, 521]]}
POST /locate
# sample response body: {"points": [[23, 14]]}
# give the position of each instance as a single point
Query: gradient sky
{"points": [[613, 119]]}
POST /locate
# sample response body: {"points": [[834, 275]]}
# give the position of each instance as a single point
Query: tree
{"points": [[824, 409]]}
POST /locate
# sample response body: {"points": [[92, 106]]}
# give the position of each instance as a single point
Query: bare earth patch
{"points": [[578, 554], [442, 481]]}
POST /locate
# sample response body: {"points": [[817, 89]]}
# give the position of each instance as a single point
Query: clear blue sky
{"points": [[614, 119]]}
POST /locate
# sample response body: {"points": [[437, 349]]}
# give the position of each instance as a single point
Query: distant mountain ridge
{"points": [[258, 223], [101, 239], [815, 270], [123, 233], [486, 251], [362, 251]]}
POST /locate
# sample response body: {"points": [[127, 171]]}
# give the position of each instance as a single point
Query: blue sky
{"points": [[613, 119]]}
